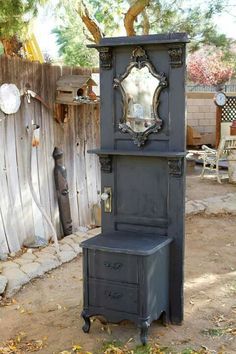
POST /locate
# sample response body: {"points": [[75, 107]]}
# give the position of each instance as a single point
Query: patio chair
{"points": [[212, 157]]}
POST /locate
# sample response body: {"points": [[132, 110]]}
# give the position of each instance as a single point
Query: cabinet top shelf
{"points": [[164, 38], [127, 242], [167, 154]]}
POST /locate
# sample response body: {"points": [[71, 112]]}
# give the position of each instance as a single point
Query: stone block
{"points": [[67, 256], [75, 238], [28, 256], [76, 247], [3, 283], [204, 109], [9, 265], [3, 256], [80, 233], [192, 108], [49, 249], [67, 240], [194, 207], [22, 261], [95, 231], [193, 122], [65, 247], [33, 270], [48, 262], [16, 279]]}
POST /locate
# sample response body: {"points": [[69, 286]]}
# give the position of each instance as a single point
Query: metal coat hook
{"points": [[29, 93]]}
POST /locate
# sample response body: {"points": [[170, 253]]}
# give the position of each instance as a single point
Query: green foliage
{"points": [[162, 15], [15, 16], [72, 50], [109, 14], [71, 38]]}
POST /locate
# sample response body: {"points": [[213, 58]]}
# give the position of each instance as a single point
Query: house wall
{"points": [[201, 115], [20, 219], [201, 111]]}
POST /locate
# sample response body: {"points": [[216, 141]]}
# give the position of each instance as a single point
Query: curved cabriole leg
{"points": [[87, 323], [144, 332]]}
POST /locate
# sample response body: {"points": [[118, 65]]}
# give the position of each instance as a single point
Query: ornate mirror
{"points": [[140, 87]]}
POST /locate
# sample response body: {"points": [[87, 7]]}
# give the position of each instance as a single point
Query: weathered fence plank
{"points": [[20, 219]]}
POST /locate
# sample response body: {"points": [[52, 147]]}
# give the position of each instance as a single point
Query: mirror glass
{"points": [[139, 87]]}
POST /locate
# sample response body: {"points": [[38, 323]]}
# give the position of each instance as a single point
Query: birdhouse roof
{"points": [[75, 81]]}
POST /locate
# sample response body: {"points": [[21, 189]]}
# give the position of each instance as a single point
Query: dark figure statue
{"points": [[62, 192]]}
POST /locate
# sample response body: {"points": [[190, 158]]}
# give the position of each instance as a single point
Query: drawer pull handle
{"points": [[115, 295], [114, 266]]}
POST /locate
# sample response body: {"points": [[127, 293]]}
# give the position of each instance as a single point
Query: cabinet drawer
{"points": [[113, 266], [113, 296]]}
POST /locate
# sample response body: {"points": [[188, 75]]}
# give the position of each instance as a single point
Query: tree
{"points": [[71, 37], [15, 18], [208, 69], [139, 17], [156, 16]]}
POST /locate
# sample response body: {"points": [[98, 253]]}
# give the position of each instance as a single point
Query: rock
{"points": [[22, 261], [75, 238], [48, 262], [3, 283], [95, 231], [16, 279], [65, 247], [3, 256], [67, 240], [33, 270], [67, 256], [49, 249], [193, 207], [213, 206], [80, 233], [28, 256], [83, 229], [76, 247], [10, 265]]}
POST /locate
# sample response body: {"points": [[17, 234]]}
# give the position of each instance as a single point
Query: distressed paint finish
{"points": [[148, 193]]}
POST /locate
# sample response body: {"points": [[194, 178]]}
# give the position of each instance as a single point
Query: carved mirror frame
{"points": [[139, 60]]}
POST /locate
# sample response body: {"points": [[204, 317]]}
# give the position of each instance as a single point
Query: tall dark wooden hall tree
{"points": [[133, 270]]}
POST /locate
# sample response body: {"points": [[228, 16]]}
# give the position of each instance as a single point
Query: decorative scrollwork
{"points": [[140, 60], [176, 167], [105, 55], [176, 57], [106, 163]]}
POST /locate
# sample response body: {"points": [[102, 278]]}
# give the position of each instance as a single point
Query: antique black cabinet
{"points": [[134, 269]]}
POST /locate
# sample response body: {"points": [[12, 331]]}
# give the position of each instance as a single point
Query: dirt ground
{"points": [[197, 188], [48, 309]]}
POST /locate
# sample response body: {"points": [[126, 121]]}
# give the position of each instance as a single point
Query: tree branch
{"points": [[90, 39], [146, 23], [132, 14], [11, 46], [90, 23]]}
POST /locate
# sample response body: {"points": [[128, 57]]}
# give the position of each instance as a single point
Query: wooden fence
{"points": [[19, 217]]}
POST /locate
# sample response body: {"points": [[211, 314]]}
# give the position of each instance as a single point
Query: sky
{"points": [[226, 23]]}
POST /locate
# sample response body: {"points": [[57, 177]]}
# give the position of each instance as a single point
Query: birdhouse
{"points": [[74, 89]]}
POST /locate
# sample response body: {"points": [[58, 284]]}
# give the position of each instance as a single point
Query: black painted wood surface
{"points": [[146, 225]]}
